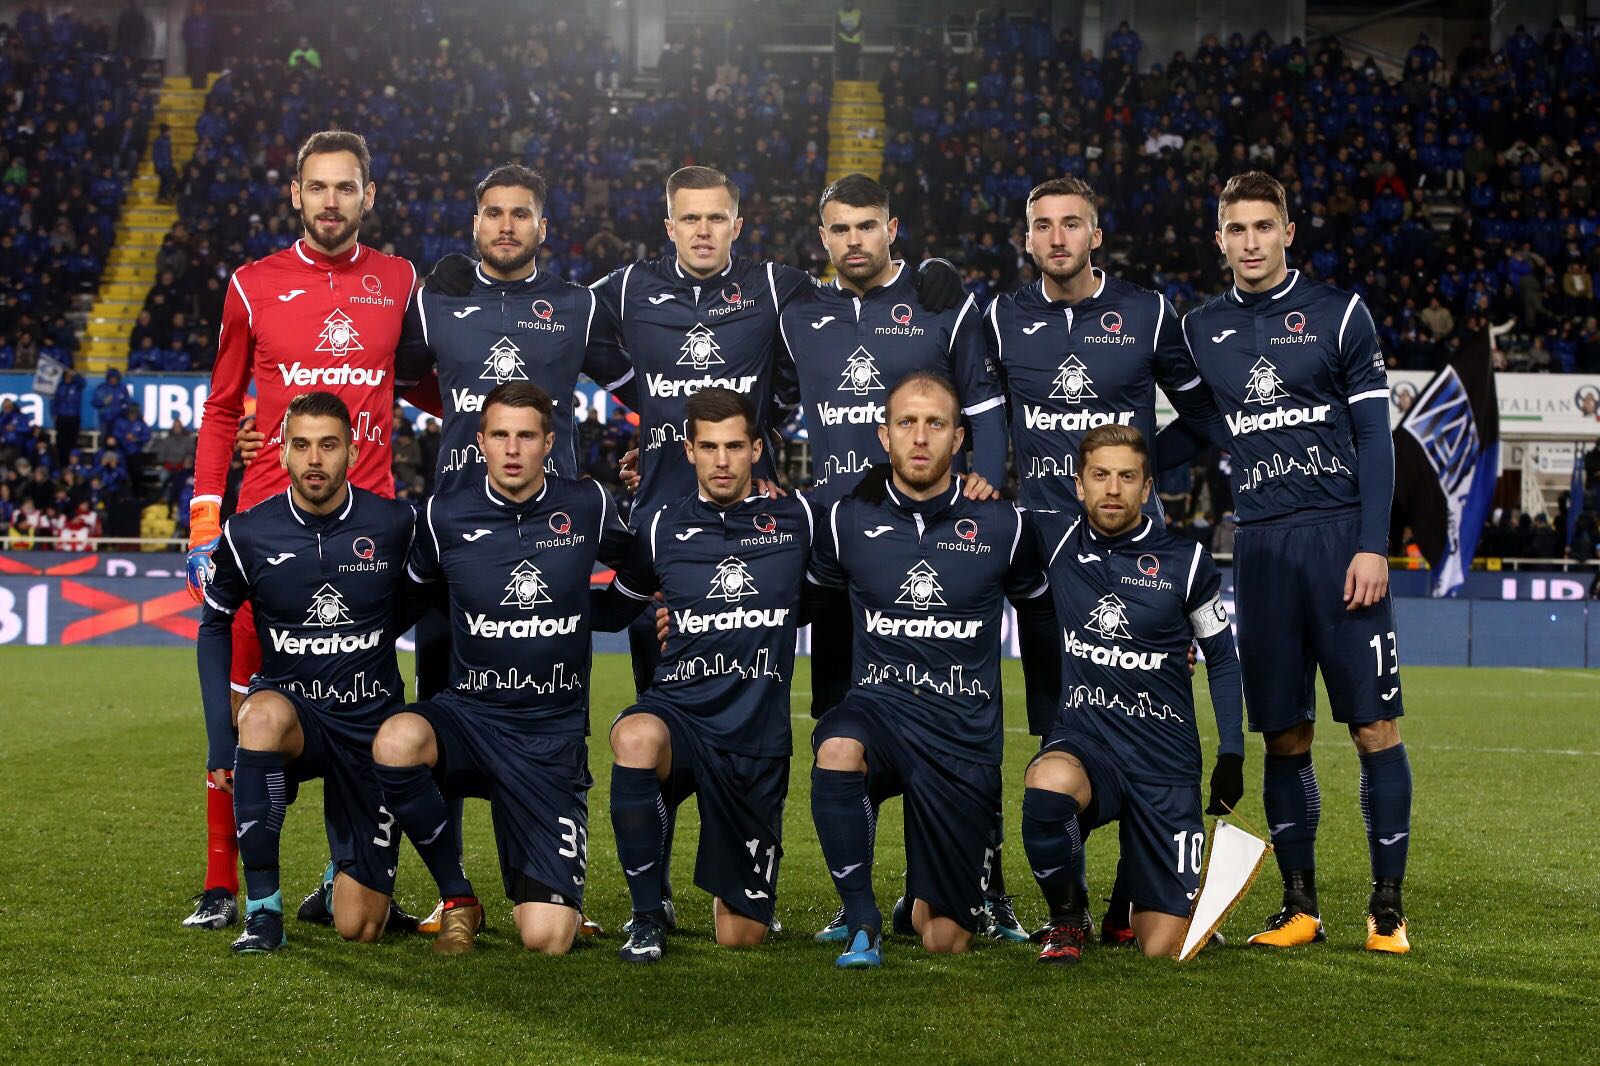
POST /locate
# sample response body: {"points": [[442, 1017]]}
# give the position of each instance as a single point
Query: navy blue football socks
{"points": [[1054, 845], [1294, 807], [417, 805], [639, 819], [260, 800], [846, 826], [1386, 809]]}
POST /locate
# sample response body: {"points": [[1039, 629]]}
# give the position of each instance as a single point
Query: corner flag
{"points": [[1447, 460]]}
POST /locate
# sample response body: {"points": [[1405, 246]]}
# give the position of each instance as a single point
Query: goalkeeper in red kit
{"points": [[321, 315]]}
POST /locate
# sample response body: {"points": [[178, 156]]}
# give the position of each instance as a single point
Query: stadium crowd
{"points": [[1457, 194]]}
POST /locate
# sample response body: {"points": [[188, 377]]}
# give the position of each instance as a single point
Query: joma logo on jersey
{"points": [[1073, 383], [718, 621], [861, 414], [333, 644], [1295, 323], [732, 581], [481, 625], [1034, 417], [901, 314], [504, 363], [302, 376], [327, 608], [1240, 423], [860, 374], [662, 385]]}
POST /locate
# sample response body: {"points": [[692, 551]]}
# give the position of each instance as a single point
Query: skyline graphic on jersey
{"points": [[955, 685], [721, 665], [1280, 465], [1097, 696], [479, 680], [360, 691]]}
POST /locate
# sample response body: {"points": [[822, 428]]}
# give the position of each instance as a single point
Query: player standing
{"points": [[1296, 368], [324, 313], [322, 566], [1129, 597], [923, 718], [715, 723], [515, 551]]}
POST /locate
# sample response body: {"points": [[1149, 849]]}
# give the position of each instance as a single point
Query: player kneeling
{"points": [[323, 568], [1129, 597]]}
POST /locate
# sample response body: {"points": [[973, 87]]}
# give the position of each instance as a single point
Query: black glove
{"points": [[452, 275], [1227, 783], [939, 286], [874, 484]]}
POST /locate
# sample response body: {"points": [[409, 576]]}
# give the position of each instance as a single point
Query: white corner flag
{"points": [[1236, 858]]}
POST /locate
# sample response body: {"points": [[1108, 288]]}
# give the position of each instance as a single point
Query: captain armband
{"points": [[1210, 618]]}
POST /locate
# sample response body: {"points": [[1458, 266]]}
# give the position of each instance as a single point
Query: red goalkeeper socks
{"points": [[222, 843]]}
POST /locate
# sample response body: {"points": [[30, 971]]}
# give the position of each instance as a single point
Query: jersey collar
{"points": [[495, 283], [1086, 301], [318, 521], [691, 279], [1133, 536], [1277, 292], [899, 271], [930, 507], [510, 505], [313, 258]]}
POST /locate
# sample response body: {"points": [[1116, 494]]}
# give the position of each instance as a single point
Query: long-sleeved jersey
{"points": [[541, 329], [928, 581], [732, 579], [1127, 608], [1299, 377], [684, 334], [1068, 368], [517, 575], [329, 597], [294, 322], [848, 351]]}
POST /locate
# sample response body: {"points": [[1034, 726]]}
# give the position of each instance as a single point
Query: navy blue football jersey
{"points": [[327, 593], [543, 330], [684, 334], [1068, 368], [518, 581], [1127, 608], [731, 579], [928, 581], [848, 351], [1286, 366]]}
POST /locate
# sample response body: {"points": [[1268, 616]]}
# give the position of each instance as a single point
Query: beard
{"points": [[342, 234], [318, 493], [508, 260], [866, 271], [1080, 263], [935, 473]]}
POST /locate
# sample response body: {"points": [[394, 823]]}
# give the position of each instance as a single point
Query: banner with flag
{"points": [[1447, 460]]}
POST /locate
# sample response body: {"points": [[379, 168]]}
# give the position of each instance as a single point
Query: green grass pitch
{"points": [[102, 839]]}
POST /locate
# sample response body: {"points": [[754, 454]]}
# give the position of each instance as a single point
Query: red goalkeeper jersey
{"points": [[299, 321]]}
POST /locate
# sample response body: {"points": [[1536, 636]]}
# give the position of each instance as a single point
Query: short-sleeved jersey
{"points": [[848, 351], [1069, 367], [684, 334], [518, 581], [536, 330], [928, 581], [1127, 608], [1285, 366], [732, 579], [298, 321], [326, 592]]}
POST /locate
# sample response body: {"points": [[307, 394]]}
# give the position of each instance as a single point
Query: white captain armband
{"points": [[1210, 618]]}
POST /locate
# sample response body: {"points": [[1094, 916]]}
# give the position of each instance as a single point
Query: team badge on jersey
{"points": [[527, 588], [327, 609], [861, 374], [700, 349], [1073, 383], [504, 363], [339, 337], [921, 588], [732, 581], [1109, 618], [1264, 386]]}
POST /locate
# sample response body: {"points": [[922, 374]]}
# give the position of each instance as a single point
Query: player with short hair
{"points": [[715, 723], [322, 314], [323, 567], [927, 572], [1298, 373], [1077, 349], [515, 552], [1129, 598]]}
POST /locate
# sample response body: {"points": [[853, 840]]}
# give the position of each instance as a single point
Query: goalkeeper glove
{"points": [[205, 531], [939, 286], [1227, 783], [452, 275]]}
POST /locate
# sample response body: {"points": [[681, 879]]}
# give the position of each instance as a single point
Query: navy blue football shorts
{"points": [[741, 801], [537, 788], [950, 804], [1288, 578], [363, 841], [1160, 827]]}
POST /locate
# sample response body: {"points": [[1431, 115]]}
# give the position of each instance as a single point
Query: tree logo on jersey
{"points": [[732, 581], [339, 337], [764, 523], [700, 349], [1111, 322], [966, 529], [527, 588], [921, 588], [542, 310], [504, 363], [901, 313], [1073, 383], [560, 524], [1264, 386], [327, 609], [860, 374], [1109, 618]]}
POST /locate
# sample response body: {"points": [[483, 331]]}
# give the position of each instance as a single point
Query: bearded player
{"points": [[324, 314]]}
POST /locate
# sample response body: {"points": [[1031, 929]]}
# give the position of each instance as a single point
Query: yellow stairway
{"points": [[855, 134], [131, 269]]}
